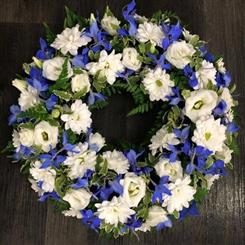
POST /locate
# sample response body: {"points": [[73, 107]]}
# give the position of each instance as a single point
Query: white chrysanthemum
{"points": [[80, 82], [70, 40], [209, 180], [96, 140], [179, 54], [226, 96], [78, 199], [80, 161], [158, 84], [110, 24], [16, 139], [46, 136], [53, 67], [44, 175], [221, 66], [28, 98], [79, 120], [150, 32], [162, 139], [26, 137], [134, 188], [209, 133], [181, 194], [108, 66], [172, 169], [200, 103], [21, 85], [114, 211], [155, 216], [205, 74], [116, 161], [224, 154]]}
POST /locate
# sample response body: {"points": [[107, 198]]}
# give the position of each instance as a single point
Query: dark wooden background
{"points": [[25, 221]]}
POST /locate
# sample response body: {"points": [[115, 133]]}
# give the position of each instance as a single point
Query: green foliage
{"points": [[50, 36], [62, 94], [143, 108], [98, 105], [72, 19], [200, 194], [166, 16], [60, 205], [61, 185]]}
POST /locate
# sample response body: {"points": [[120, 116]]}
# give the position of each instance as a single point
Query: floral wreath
{"points": [[165, 69]]}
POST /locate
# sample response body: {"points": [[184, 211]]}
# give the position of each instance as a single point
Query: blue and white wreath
{"points": [[122, 189]]}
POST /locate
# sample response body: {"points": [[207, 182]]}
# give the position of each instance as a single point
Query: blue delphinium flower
{"points": [[90, 219], [190, 211], [45, 52], [94, 97], [161, 189], [15, 111], [37, 81]]}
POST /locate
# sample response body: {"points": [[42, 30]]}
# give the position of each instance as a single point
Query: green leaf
{"points": [[176, 214], [62, 95], [80, 94], [143, 213], [200, 194], [143, 108], [50, 36], [72, 19], [24, 169], [60, 185]]}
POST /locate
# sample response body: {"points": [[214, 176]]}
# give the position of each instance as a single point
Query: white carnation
{"points": [[158, 84], [70, 40], [150, 32], [226, 96], [224, 154], [108, 66], [172, 169], [53, 67], [80, 161], [134, 188], [130, 59], [80, 82], [79, 119], [45, 136], [116, 161], [181, 194], [209, 133], [200, 103], [162, 139], [73, 213], [114, 211], [16, 139], [110, 24], [28, 98], [179, 54], [26, 137], [96, 140]]}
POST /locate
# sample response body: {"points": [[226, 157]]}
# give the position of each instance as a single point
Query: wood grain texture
{"points": [[24, 221]]}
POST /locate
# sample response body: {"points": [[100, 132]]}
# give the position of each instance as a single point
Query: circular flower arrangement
{"points": [[121, 189]]}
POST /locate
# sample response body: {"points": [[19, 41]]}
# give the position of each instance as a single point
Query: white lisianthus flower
{"points": [[16, 139], [200, 103], [114, 211], [28, 98], [209, 180], [80, 82], [156, 216], [221, 66], [134, 188], [45, 136], [224, 154], [158, 84], [162, 139], [44, 175], [96, 140], [150, 32], [70, 40], [205, 74], [209, 133], [226, 96], [179, 54], [172, 169], [116, 161], [130, 59], [80, 161], [53, 67], [79, 120], [108, 66], [181, 194], [78, 199], [26, 137], [110, 24], [21, 85]]}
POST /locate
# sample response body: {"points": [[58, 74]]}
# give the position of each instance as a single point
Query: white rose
{"points": [[134, 188], [179, 54], [45, 136], [200, 103], [20, 84], [156, 216], [53, 67], [96, 139], [110, 24], [80, 82], [26, 137], [78, 199], [130, 59]]}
